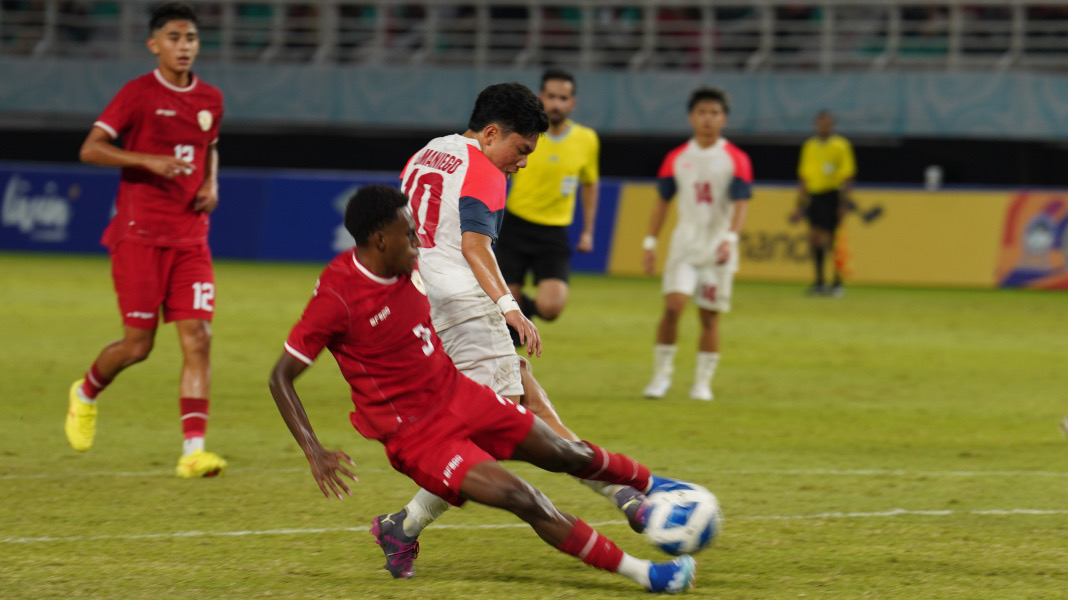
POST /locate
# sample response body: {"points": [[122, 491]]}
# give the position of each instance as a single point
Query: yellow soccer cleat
{"points": [[200, 464], [81, 420]]}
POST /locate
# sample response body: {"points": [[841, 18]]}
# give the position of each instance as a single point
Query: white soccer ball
{"points": [[683, 518]]}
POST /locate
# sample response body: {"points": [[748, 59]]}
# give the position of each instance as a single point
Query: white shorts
{"points": [[710, 285], [482, 349]]}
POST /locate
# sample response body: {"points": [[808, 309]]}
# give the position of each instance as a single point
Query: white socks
{"points": [[706, 368], [191, 445], [664, 359], [635, 568], [423, 510]]}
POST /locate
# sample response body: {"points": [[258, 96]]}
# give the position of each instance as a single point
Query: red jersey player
{"points": [[168, 121], [441, 429]]}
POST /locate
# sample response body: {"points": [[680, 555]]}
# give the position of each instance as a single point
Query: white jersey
{"points": [[705, 183], [453, 188]]}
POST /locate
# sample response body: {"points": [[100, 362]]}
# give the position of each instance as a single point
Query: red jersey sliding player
{"points": [[441, 429], [168, 122]]}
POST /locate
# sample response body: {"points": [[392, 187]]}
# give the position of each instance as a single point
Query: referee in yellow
{"points": [[541, 203], [825, 180]]}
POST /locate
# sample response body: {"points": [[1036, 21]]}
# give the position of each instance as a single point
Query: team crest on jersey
{"points": [[417, 281], [204, 119]]}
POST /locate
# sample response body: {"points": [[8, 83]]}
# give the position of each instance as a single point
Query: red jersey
{"points": [[379, 332], [153, 116]]}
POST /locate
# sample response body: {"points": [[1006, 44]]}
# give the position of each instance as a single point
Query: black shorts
{"points": [[524, 247], [823, 210]]}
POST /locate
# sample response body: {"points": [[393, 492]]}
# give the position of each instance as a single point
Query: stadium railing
{"points": [[754, 35]]}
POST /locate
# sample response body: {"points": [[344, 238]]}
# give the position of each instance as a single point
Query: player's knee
{"points": [[526, 502], [197, 340], [571, 457], [550, 311]]}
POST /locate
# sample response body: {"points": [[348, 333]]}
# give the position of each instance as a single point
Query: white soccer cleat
{"points": [[658, 386], [701, 391]]}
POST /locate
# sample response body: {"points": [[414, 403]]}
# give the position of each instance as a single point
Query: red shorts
{"points": [[475, 426], [180, 279]]}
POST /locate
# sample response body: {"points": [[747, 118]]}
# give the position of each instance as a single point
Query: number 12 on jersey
{"points": [[424, 192]]}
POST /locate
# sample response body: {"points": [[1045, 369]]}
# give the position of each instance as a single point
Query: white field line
{"points": [[518, 467], [896, 512]]}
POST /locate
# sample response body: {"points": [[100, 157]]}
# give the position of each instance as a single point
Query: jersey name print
{"points": [[453, 188]]}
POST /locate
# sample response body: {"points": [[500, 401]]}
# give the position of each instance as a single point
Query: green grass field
{"points": [[895, 443]]}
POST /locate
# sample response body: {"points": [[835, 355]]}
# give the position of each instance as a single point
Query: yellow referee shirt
{"points": [[544, 191], [824, 165]]}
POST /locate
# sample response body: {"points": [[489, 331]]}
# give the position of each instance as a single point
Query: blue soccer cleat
{"points": [[673, 577]]}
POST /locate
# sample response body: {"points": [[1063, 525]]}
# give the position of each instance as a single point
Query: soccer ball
{"points": [[683, 518]]}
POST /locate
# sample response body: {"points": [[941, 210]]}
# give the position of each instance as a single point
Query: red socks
{"points": [[194, 416], [94, 382], [591, 547], [614, 468]]}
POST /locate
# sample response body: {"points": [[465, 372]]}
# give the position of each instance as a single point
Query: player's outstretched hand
{"points": [[528, 333], [327, 469], [795, 217]]}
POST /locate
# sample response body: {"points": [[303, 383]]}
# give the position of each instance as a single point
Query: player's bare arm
{"points": [[590, 193], [656, 222], [723, 251], [326, 465], [97, 149], [207, 197], [477, 250]]}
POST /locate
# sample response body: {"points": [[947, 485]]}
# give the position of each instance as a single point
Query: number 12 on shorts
{"points": [[203, 296]]}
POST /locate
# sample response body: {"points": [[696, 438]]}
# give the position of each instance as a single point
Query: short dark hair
{"points": [[560, 74], [512, 106], [171, 11], [372, 208], [709, 93]]}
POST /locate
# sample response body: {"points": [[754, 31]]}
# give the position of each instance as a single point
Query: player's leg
{"points": [[491, 484], [677, 277], [482, 350], [627, 499], [715, 287], [134, 347], [680, 280], [822, 213], [135, 272], [837, 215], [190, 304]]}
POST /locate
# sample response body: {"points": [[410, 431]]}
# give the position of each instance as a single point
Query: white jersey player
{"points": [[456, 188], [709, 179]]}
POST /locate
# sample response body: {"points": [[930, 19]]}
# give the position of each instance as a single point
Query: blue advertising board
{"points": [[262, 214]]}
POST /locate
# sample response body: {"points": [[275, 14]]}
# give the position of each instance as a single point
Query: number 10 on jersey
{"points": [[424, 192]]}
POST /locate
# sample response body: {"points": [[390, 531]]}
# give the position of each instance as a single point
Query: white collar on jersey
{"points": [[369, 274], [171, 86]]}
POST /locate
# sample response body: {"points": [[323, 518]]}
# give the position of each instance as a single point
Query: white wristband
{"points": [[732, 236], [507, 304], [649, 243]]}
